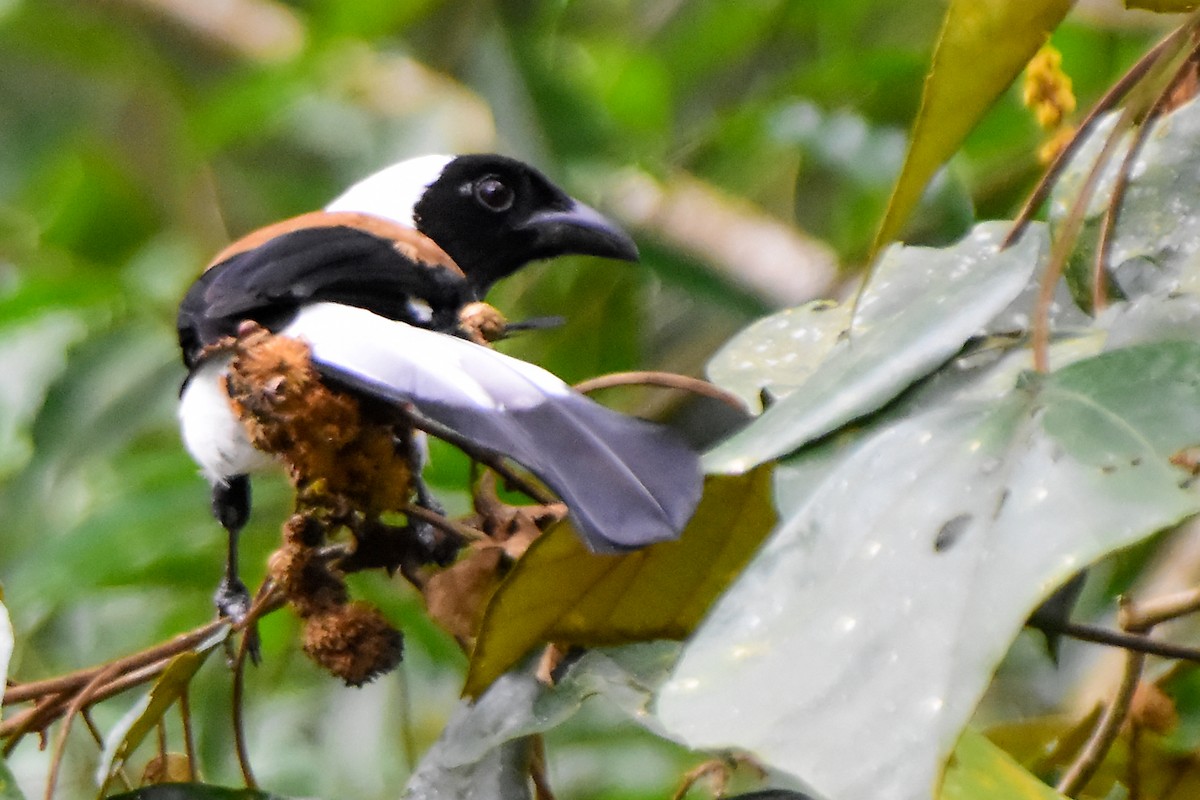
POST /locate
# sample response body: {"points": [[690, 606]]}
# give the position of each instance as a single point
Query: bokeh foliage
{"points": [[138, 136]]}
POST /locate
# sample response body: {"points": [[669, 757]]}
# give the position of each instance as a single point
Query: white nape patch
{"points": [[394, 191], [418, 364], [211, 432]]}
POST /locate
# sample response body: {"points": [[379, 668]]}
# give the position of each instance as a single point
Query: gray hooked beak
{"points": [[581, 230]]}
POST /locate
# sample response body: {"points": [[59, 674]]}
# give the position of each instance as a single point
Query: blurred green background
{"points": [[749, 146]]}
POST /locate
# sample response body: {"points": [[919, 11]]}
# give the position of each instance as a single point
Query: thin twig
{"points": [[77, 704], [52, 695], [239, 728], [189, 740], [161, 729], [1133, 775], [1121, 185], [1110, 98], [1064, 241], [667, 380], [98, 738], [24, 692], [1107, 730], [16, 726], [1126, 641], [537, 768], [39, 717], [1163, 609], [446, 524], [269, 597]]}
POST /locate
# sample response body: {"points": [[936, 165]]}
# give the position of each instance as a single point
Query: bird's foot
{"points": [[233, 600], [434, 545]]}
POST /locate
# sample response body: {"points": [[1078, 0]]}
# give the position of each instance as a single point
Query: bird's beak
{"points": [[580, 230]]}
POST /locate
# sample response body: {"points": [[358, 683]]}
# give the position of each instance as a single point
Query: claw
{"points": [[233, 600]]}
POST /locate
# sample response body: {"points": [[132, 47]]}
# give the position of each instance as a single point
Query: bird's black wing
{"points": [[627, 482], [337, 264]]}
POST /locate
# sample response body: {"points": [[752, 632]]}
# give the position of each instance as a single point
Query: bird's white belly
{"points": [[211, 432]]}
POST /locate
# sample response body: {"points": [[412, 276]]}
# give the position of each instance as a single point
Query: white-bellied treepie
{"points": [[373, 285]]}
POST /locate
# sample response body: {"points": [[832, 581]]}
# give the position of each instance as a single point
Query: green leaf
{"points": [[8, 784], [979, 770], [917, 311], [560, 591], [982, 47], [911, 554], [132, 730]]}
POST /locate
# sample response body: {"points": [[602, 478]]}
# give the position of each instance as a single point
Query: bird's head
{"points": [[492, 214]]}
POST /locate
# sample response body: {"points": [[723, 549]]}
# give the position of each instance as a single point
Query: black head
{"points": [[494, 214]]}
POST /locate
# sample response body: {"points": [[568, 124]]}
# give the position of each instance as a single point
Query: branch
{"points": [[668, 380]]}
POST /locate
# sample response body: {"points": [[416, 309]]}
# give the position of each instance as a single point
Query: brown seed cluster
{"points": [[352, 640], [348, 467], [329, 446]]}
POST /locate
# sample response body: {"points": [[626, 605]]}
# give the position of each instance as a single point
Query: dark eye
{"points": [[493, 194]]}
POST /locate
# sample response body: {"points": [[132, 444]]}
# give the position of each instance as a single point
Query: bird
{"points": [[373, 285]]}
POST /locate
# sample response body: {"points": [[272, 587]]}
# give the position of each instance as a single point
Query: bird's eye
{"points": [[493, 194]]}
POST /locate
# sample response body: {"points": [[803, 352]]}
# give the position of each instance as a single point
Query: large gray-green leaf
{"points": [[483, 750], [854, 648], [1155, 244], [778, 353], [919, 309]]}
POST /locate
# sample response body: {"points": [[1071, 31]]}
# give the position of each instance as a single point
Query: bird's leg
{"points": [[440, 547], [231, 507]]}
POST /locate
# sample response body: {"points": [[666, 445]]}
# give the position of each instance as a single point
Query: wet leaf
{"points": [[484, 748], [561, 592], [982, 47], [917, 311], [779, 352], [1154, 247], [910, 555]]}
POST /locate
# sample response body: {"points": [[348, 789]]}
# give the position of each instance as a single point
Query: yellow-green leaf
{"points": [[979, 770], [561, 592], [146, 714], [982, 47]]}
